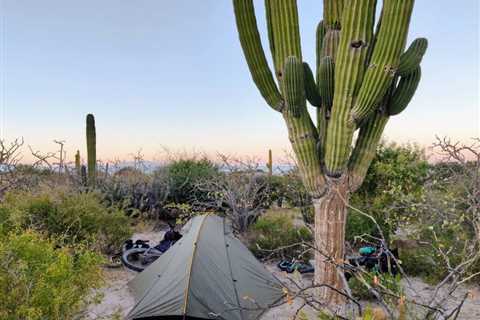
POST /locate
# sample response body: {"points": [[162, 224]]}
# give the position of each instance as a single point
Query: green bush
{"points": [[374, 279], [427, 261], [183, 176], [69, 216], [40, 281], [129, 189], [419, 262], [397, 172], [275, 230]]}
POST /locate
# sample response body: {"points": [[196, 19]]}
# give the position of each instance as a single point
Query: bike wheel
{"points": [[132, 259]]}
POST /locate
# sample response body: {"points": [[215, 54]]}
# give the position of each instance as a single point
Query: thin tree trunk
{"points": [[330, 219]]}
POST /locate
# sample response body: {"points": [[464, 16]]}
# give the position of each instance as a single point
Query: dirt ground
{"points": [[117, 300]]}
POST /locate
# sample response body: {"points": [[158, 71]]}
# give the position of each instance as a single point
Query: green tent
{"points": [[208, 274]]}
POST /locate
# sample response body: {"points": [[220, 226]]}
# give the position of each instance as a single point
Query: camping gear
{"points": [[373, 259], [208, 274], [139, 255], [291, 266]]}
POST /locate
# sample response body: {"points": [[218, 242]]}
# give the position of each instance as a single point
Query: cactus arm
{"points": [[326, 89], [254, 54], [411, 58], [311, 89], [319, 35], [375, 37], [322, 125], [330, 43], [403, 93], [304, 138], [268, 17], [326, 81], [385, 57], [365, 148], [293, 87], [357, 32], [332, 13], [285, 30], [91, 150]]}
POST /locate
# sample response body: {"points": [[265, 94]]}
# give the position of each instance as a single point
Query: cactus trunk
{"points": [[91, 150], [362, 79], [330, 221]]}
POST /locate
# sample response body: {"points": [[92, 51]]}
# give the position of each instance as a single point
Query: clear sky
{"points": [[171, 74]]}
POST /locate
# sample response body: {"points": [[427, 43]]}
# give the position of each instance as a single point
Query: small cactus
{"points": [[270, 163], [83, 174], [91, 150], [77, 163]]}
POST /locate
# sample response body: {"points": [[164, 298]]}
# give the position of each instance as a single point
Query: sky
{"points": [[171, 75]]}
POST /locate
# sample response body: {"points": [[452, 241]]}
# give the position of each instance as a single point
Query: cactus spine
{"points": [[362, 78], [91, 150], [77, 163]]}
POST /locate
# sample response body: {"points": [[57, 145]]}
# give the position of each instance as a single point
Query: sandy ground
{"points": [[117, 299]]}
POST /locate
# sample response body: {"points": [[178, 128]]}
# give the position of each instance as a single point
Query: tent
{"points": [[208, 274]]}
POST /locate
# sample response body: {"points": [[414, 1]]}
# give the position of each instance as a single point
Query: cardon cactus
{"points": [[83, 174], [91, 150], [363, 76], [77, 163], [270, 163]]}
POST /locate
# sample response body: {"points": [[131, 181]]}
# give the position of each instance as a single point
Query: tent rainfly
{"points": [[208, 274]]}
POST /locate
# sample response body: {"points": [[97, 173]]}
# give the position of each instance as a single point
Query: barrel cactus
{"points": [[91, 150], [363, 76]]}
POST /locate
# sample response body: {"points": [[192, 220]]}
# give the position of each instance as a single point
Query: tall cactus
{"points": [[362, 78], [91, 150], [77, 163]]}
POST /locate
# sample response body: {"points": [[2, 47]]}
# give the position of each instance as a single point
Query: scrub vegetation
{"points": [[57, 231]]}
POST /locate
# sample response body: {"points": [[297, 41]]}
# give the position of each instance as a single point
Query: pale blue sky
{"points": [[171, 73]]}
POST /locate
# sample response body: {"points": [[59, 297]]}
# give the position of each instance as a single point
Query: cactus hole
{"points": [[357, 44]]}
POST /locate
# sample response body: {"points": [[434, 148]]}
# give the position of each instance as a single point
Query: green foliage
{"points": [[276, 229], [132, 190], [419, 262], [185, 174], [444, 219], [40, 281], [71, 217], [396, 172], [384, 281]]}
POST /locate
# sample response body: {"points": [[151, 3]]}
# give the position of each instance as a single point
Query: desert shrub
{"points": [[179, 213], [40, 281], [444, 219], [131, 190], [389, 282], [290, 190], [276, 190], [275, 230], [419, 262], [69, 216], [397, 172], [453, 238], [184, 175]]}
